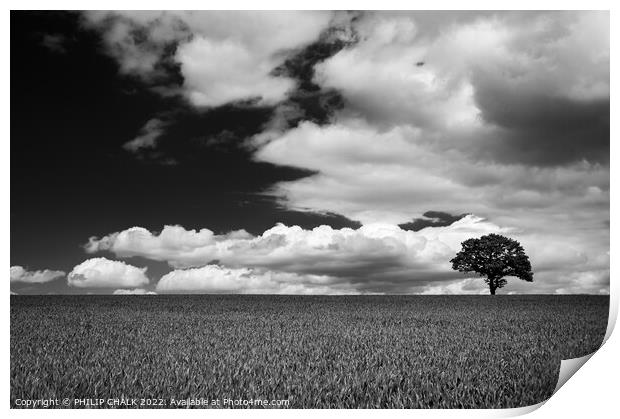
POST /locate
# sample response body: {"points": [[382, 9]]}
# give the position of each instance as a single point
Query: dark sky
{"points": [[143, 142]]}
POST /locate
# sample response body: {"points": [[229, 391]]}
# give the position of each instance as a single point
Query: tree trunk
{"points": [[492, 286]]}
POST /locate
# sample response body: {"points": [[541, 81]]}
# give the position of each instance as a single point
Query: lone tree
{"points": [[493, 256]]}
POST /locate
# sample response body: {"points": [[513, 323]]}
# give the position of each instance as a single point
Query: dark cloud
{"points": [[301, 65], [309, 220], [55, 43], [149, 134], [432, 219], [314, 102], [541, 129]]}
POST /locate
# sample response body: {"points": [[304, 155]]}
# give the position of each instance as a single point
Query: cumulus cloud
{"points": [[104, 273], [216, 279], [223, 56], [21, 274], [282, 245], [374, 258], [174, 244], [135, 291]]}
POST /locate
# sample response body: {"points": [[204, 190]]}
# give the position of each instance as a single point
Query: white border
{"points": [[593, 390]]}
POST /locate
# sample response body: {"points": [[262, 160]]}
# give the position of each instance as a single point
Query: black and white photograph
{"points": [[306, 209]]}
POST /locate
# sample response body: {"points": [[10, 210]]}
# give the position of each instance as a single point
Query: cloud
{"points": [[283, 246], [149, 134], [500, 115], [511, 87], [135, 291], [55, 43], [431, 219], [20, 274], [222, 56], [371, 175], [577, 282], [216, 279], [104, 273], [465, 286], [174, 244], [374, 258]]}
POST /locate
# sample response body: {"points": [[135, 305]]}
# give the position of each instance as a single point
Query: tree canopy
{"points": [[494, 257]]}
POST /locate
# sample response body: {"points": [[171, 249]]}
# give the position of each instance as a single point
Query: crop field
{"points": [[313, 352]]}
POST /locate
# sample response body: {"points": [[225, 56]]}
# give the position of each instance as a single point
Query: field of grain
{"points": [[315, 352]]}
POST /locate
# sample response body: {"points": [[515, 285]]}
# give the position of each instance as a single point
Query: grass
{"points": [[316, 352]]}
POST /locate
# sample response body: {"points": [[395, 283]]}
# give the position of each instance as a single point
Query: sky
{"points": [[306, 152]]}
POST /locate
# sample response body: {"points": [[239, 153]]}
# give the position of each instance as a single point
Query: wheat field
{"points": [[312, 351]]}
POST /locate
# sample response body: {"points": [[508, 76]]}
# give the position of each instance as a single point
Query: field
{"points": [[315, 352]]}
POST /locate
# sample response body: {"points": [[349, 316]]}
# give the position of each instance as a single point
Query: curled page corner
{"points": [[518, 411], [568, 367]]}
